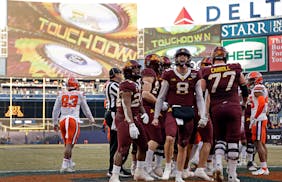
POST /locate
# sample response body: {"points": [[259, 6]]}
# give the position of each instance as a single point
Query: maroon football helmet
{"points": [[220, 53], [153, 61], [166, 63], [131, 70]]}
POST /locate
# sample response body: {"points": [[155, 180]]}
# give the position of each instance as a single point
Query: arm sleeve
{"points": [[200, 99], [161, 98], [85, 108], [261, 104], [56, 110]]}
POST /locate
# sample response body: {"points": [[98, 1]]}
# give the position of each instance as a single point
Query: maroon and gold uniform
{"points": [[222, 83], [153, 132], [181, 92], [124, 139]]}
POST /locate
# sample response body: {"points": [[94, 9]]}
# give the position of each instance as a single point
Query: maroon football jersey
{"points": [[222, 82], [156, 85], [130, 86], [181, 87]]}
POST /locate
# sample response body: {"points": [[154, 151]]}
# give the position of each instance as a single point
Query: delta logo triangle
{"points": [[183, 18]]}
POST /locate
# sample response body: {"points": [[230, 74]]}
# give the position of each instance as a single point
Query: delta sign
{"points": [[251, 53]]}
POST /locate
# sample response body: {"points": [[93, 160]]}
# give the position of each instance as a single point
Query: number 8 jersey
{"points": [[181, 87]]}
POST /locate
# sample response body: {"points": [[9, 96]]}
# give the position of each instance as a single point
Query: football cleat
{"points": [[158, 171], [261, 171], [114, 178], [179, 180], [109, 174], [200, 173], [67, 169], [166, 173], [141, 174], [187, 174], [252, 166], [209, 171]]}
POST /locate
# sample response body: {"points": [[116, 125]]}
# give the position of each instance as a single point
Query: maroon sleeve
{"points": [[148, 72], [204, 72], [237, 67], [165, 75], [127, 86], [199, 74]]}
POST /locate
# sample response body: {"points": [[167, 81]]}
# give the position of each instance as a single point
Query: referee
{"points": [[111, 90]]}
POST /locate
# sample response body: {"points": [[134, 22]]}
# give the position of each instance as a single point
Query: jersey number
{"points": [[69, 100], [182, 88], [217, 77]]}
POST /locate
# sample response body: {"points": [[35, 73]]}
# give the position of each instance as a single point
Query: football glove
{"points": [[164, 106], [203, 122], [145, 118], [133, 131]]}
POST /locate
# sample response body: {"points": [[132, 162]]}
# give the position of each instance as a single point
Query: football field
{"points": [[42, 163]]}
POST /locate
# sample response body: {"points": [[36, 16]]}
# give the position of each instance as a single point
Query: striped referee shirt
{"points": [[112, 89]]}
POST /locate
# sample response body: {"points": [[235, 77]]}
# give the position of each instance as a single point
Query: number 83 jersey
{"points": [[68, 103], [222, 82]]}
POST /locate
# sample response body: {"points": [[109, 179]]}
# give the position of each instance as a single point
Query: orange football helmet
{"points": [[254, 78], [72, 84]]}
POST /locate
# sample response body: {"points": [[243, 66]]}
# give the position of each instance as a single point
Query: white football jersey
{"points": [[254, 101], [68, 104]]}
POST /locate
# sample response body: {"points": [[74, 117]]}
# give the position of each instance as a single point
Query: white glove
{"points": [[145, 118], [203, 122], [165, 106], [252, 122], [179, 121], [113, 127], [133, 131]]}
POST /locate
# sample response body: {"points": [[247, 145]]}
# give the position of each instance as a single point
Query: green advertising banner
{"points": [[251, 53], [200, 40]]}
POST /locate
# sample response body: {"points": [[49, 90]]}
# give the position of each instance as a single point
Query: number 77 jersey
{"points": [[222, 82]]}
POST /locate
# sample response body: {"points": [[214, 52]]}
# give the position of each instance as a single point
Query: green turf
{"points": [[86, 156]]}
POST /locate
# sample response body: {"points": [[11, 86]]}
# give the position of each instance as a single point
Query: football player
{"points": [[67, 107], [222, 81], [259, 100], [151, 86], [129, 117], [178, 87]]}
